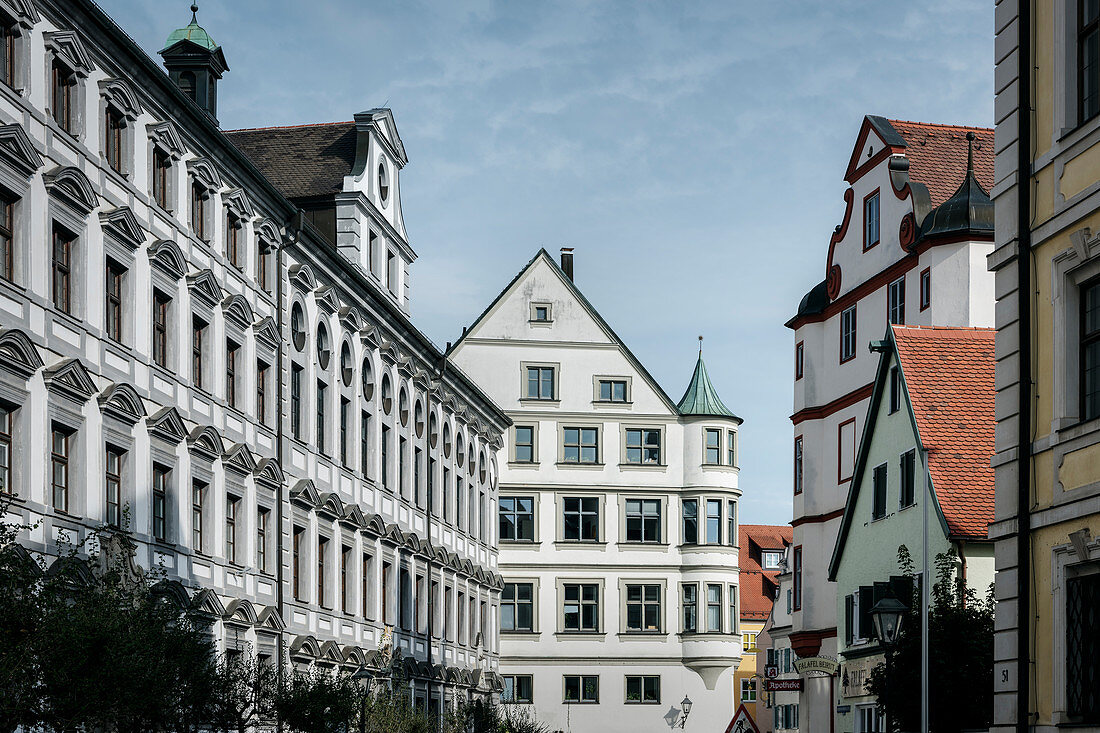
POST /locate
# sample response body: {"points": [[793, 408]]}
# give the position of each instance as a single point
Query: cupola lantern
{"points": [[195, 63]]}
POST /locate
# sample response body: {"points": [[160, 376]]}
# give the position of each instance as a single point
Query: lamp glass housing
{"points": [[887, 616]]}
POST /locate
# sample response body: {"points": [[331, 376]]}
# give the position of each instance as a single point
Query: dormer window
{"points": [[771, 559], [63, 97]]}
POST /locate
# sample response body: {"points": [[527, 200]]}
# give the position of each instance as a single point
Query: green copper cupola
{"points": [[195, 63], [701, 398]]}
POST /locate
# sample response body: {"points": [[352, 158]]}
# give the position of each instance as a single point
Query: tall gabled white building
{"points": [[617, 518]]}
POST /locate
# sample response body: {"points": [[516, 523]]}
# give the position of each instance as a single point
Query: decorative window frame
{"points": [[235, 202], [556, 366], [19, 362], [549, 313], [662, 460], [71, 199], [601, 615], [164, 136], [1070, 269], [117, 94], [70, 387], [19, 161], [24, 16], [1079, 557], [202, 171], [66, 47], [267, 238]]}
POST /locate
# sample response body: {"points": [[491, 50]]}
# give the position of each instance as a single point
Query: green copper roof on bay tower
{"points": [[701, 398], [192, 32]]}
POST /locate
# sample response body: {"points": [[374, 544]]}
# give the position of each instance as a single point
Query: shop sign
{"points": [[771, 671], [822, 665], [783, 685], [853, 680]]}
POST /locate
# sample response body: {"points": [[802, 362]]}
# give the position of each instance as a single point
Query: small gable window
{"points": [[870, 221]]}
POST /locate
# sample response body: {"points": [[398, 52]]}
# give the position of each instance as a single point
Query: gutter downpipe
{"points": [[925, 594], [1023, 295]]}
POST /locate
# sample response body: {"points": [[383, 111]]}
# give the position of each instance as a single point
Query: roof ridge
{"points": [[964, 329], [941, 124], [290, 127]]}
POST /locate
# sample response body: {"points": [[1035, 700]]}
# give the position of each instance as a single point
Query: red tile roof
{"points": [[949, 377], [937, 156], [758, 586]]}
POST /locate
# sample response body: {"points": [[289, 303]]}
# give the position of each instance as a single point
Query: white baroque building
{"points": [[617, 518], [191, 354]]}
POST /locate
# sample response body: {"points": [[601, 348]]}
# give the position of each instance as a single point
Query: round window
{"points": [[403, 406], [446, 440], [433, 430], [298, 327], [387, 394], [347, 371], [368, 380], [324, 351], [383, 182]]}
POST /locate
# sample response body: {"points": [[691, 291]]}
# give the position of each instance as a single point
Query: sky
{"points": [[691, 152]]}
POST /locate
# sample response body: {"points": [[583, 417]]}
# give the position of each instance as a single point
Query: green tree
{"points": [[960, 656]]}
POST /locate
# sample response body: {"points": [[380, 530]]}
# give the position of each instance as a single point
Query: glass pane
{"points": [[524, 453], [634, 616], [572, 527], [633, 437], [590, 504], [652, 617], [524, 591], [572, 616], [652, 529], [605, 391], [633, 529], [633, 593], [588, 454], [572, 454], [508, 618], [633, 506], [652, 593], [633, 455], [590, 592], [532, 382], [619, 391], [589, 527], [524, 618], [571, 435], [588, 436], [572, 592], [525, 528], [547, 384], [507, 527], [588, 615]]}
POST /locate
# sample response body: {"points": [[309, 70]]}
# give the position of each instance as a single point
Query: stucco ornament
{"points": [[117, 555]]}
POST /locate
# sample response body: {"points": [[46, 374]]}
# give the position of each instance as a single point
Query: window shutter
{"points": [[866, 601], [849, 610]]}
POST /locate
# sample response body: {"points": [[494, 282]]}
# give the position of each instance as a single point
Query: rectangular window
{"points": [[799, 360], [296, 401], [714, 521], [385, 457], [63, 242], [518, 688], [846, 450], [322, 584], [261, 391], [731, 448], [345, 597], [581, 609], [925, 288], [322, 390], [364, 443], [878, 490], [908, 478], [7, 237], [162, 166], [580, 445], [113, 300], [1090, 350], [391, 272], [895, 389], [387, 574], [365, 588], [581, 518], [848, 334], [871, 221], [798, 474], [9, 39], [263, 258], [113, 475], [345, 438], [540, 383], [748, 689], [232, 350], [160, 503], [731, 523], [542, 313], [643, 689], [401, 453], [643, 520], [296, 563], [64, 91], [643, 446], [232, 504], [691, 521], [714, 608], [59, 460], [418, 459], [713, 445], [582, 688], [1082, 633], [198, 503], [198, 334], [263, 516], [868, 719], [525, 444], [748, 641], [643, 608], [797, 580], [233, 239], [113, 136], [895, 301], [734, 619], [771, 559], [517, 607], [161, 303], [1088, 59], [198, 210], [612, 390], [517, 518], [691, 607]]}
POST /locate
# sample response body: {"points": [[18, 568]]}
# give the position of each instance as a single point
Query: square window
{"points": [[643, 446], [643, 689], [581, 607], [581, 518], [518, 688], [580, 445], [517, 518], [643, 520], [582, 688], [643, 608]]}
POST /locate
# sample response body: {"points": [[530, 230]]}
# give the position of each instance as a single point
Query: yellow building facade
{"points": [[1047, 460], [748, 687]]}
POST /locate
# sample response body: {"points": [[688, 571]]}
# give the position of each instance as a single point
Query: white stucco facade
{"points": [[684, 571]]}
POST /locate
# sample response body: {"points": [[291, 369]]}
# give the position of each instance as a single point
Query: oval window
{"points": [[387, 394], [433, 430], [383, 182], [460, 453], [473, 456], [403, 407], [481, 466], [298, 327], [324, 351], [419, 419], [368, 380], [446, 440], [346, 368]]}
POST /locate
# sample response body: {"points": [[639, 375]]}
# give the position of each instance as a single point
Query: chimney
{"points": [[567, 261]]}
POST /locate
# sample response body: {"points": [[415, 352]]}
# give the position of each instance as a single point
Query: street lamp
{"points": [[887, 616], [686, 705], [365, 676]]}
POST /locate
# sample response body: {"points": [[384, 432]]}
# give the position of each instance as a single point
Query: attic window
{"points": [[540, 313], [771, 559]]}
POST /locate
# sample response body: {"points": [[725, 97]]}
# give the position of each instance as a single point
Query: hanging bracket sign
{"points": [[820, 665]]}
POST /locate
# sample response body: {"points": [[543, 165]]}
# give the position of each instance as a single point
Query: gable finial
{"points": [[970, 152], [700, 346], [194, 13]]}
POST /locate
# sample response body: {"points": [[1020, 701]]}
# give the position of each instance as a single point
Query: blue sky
{"points": [[691, 152]]}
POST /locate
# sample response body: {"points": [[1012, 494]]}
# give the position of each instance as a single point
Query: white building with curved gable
{"points": [[617, 522]]}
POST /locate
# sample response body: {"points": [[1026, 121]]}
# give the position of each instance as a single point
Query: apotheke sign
{"points": [[783, 685], [823, 665]]}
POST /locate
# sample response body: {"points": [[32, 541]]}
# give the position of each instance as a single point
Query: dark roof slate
{"points": [[304, 161]]}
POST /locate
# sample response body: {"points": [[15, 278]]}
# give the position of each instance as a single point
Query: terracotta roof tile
{"points": [[757, 586], [949, 377], [303, 161], [937, 156]]}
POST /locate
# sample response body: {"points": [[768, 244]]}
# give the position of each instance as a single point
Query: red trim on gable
{"points": [[832, 272], [822, 411], [855, 169]]}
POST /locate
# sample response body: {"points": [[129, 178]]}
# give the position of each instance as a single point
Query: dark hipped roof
{"points": [[303, 161]]}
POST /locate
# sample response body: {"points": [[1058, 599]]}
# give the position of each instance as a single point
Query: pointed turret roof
{"points": [[701, 398]]}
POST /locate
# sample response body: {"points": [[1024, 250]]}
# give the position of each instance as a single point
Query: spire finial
{"points": [[700, 347], [970, 152], [194, 13]]}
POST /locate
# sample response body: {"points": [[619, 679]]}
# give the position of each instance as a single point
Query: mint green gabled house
{"points": [[925, 454]]}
